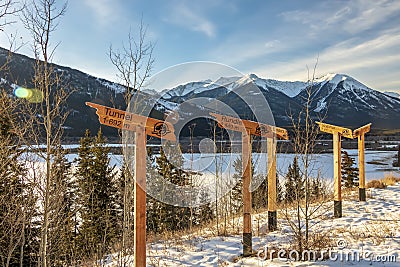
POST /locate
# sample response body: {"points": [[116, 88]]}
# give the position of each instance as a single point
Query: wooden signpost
{"points": [[337, 133], [248, 128], [359, 133], [142, 126]]}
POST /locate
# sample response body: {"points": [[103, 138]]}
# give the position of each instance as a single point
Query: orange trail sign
{"points": [[128, 121], [252, 127], [332, 129], [362, 130]]}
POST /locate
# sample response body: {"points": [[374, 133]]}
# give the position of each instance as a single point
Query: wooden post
{"points": [[361, 167], [248, 128], [142, 126], [360, 133], [272, 196], [246, 166], [337, 175], [140, 197], [337, 133]]}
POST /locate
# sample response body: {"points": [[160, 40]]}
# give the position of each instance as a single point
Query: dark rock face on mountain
{"points": [[345, 101], [20, 72], [338, 99]]}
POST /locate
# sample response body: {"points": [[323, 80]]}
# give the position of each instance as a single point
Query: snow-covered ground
{"points": [[368, 234], [378, 163]]}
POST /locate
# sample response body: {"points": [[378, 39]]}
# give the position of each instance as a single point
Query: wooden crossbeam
{"points": [[128, 121], [254, 128], [362, 130], [332, 129]]}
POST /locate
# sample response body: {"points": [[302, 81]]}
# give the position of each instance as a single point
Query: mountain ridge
{"points": [[339, 98]]}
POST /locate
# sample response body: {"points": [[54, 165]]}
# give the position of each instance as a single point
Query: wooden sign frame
{"points": [[248, 128], [142, 126], [337, 133]]}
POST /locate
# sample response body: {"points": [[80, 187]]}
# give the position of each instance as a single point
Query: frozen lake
{"points": [[321, 163]]}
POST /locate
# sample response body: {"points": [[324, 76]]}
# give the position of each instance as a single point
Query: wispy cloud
{"points": [[186, 17], [105, 11], [368, 59], [370, 13], [351, 16]]}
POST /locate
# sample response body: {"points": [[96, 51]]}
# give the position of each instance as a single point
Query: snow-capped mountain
{"points": [[338, 98], [343, 100], [393, 94], [184, 91]]}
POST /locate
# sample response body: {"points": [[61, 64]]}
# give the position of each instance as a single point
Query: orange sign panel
{"points": [[362, 130], [328, 128], [128, 121], [254, 128]]}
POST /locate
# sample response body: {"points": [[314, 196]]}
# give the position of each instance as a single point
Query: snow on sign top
{"points": [[254, 128], [328, 128], [128, 121]]}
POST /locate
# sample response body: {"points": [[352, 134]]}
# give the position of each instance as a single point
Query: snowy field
{"points": [[377, 163], [368, 234]]}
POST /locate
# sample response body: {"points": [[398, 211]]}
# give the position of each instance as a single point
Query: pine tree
{"points": [[204, 212], [316, 188], [349, 173], [18, 234], [396, 162], [236, 192], [96, 198], [294, 184], [260, 195], [398, 156], [63, 224], [168, 217]]}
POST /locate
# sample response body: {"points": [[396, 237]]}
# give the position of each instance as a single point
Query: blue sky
{"points": [[273, 39]]}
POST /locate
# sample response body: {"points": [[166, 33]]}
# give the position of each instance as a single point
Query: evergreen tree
{"points": [[165, 217], [62, 198], [155, 209], [236, 192], [316, 188], [204, 212], [96, 198], [18, 234], [349, 173], [294, 183], [259, 197], [398, 156], [396, 162]]}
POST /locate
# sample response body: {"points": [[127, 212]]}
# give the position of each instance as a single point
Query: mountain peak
{"points": [[252, 76], [333, 78]]}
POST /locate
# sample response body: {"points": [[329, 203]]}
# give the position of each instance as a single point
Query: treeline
{"points": [[87, 202], [89, 205]]}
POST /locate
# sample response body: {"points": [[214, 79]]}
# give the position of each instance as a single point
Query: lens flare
{"points": [[31, 95], [22, 92]]}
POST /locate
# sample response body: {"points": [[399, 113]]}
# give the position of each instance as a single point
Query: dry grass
{"points": [[390, 179], [376, 184]]}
